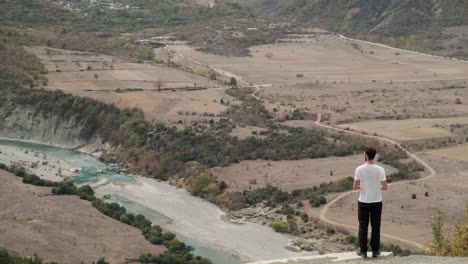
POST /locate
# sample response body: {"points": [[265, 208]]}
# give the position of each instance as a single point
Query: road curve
{"points": [[432, 173], [324, 210]]}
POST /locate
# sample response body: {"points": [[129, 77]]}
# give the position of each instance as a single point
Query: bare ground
{"points": [[358, 102], [411, 129], [289, 175], [411, 218], [330, 58], [160, 91], [64, 229]]}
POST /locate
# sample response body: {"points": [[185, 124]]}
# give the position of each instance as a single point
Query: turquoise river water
{"points": [[195, 221]]}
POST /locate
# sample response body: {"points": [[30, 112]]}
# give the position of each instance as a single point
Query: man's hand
{"points": [[357, 185], [384, 185]]}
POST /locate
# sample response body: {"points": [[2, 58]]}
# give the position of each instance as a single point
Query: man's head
{"points": [[370, 153]]}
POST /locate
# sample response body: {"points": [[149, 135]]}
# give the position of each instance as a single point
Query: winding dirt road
{"points": [[432, 173], [324, 210]]}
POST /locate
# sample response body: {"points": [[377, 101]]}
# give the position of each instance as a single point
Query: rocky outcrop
{"points": [[24, 124]]}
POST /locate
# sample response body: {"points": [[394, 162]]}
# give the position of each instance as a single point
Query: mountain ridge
{"points": [[436, 26]]}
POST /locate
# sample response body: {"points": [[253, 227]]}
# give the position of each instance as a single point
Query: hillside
{"points": [[429, 25], [39, 223]]}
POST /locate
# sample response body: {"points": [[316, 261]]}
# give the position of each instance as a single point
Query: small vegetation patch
{"points": [[275, 197], [445, 245]]}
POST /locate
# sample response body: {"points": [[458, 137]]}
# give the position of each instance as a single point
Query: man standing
{"points": [[370, 180]]}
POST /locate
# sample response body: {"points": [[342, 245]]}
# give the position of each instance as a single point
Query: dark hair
{"points": [[370, 151]]}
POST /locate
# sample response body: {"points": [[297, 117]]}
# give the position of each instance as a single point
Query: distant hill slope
{"points": [[443, 24]]}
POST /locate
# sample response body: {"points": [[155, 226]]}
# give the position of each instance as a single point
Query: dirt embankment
{"points": [[64, 229], [23, 124]]}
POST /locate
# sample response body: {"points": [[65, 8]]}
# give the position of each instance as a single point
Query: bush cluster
{"points": [[178, 251], [274, 196], [451, 246]]}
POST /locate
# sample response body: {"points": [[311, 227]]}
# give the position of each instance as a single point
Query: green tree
{"points": [[201, 184], [148, 54], [233, 82], [213, 76]]}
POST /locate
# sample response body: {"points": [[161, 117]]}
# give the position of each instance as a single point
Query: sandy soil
{"points": [[68, 72], [410, 129], [453, 153], [45, 166], [289, 175], [354, 102], [410, 218], [179, 105], [351, 81], [330, 58], [62, 228], [209, 3]]}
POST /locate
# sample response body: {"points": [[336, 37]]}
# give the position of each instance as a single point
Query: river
{"points": [[194, 220]]}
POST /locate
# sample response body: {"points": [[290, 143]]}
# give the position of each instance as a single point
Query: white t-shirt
{"points": [[370, 176]]}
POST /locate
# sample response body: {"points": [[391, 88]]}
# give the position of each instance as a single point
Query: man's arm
{"points": [[357, 185], [357, 180], [383, 181], [384, 185]]}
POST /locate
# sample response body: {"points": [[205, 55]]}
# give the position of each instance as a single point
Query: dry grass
{"points": [[409, 129], [64, 229], [68, 71], [411, 218], [289, 175], [329, 58], [453, 153]]}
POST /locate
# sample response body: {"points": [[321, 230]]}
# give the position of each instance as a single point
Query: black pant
{"points": [[374, 212]]}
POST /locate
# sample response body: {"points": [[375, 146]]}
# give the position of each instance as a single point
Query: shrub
{"points": [[443, 245], [213, 77], [305, 217], [67, 188], [330, 230], [9, 258], [315, 203], [352, 240], [233, 82], [397, 250], [280, 227], [148, 54], [289, 227], [203, 185], [201, 72]]}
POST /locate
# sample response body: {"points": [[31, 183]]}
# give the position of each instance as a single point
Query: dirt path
{"points": [[323, 212], [431, 174], [393, 48], [218, 70]]}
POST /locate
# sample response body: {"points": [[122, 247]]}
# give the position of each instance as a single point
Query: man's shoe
{"points": [[375, 254], [362, 254]]}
